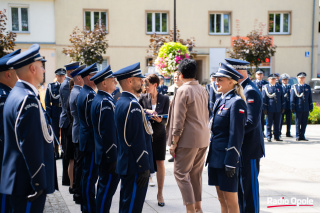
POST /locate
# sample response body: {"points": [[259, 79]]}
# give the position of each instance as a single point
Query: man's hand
{"points": [[172, 150], [143, 178], [34, 196], [229, 171], [265, 112]]}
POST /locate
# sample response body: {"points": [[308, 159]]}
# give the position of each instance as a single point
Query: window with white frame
{"points": [[19, 19], [219, 23], [104, 64], [91, 18], [157, 22], [279, 23]]}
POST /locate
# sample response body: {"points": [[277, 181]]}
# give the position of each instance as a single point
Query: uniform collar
{"points": [[5, 87], [77, 86], [272, 85], [243, 81], [34, 89], [104, 92], [300, 84], [129, 93], [226, 94], [87, 87]]}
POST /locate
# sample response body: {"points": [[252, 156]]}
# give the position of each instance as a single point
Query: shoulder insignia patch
{"points": [[241, 111], [31, 105], [250, 101], [135, 110]]}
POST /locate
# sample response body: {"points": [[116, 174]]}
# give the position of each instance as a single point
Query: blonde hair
{"points": [[239, 89]]}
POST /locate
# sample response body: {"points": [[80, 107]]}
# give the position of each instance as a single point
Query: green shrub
{"points": [[314, 116]]}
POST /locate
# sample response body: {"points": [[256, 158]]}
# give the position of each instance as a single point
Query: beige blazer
{"points": [[189, 116]]}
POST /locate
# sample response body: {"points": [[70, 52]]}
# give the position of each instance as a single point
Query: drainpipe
{"points": [[313, 14]]}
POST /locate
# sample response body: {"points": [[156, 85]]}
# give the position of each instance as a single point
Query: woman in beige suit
{"points": [[188, 135]]}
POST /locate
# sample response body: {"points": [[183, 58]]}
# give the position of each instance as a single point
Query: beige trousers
{"points": [[188, 167]]}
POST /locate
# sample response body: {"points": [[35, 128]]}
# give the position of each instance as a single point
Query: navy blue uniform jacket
{"points": [[253, 142], [228, 128], [275, 104], [64, 98], [105, 133], [304, 103], [84, 102], [260, 84], [52, 100], [134, 150], [28, 161], [4, 92], [286, 96]]}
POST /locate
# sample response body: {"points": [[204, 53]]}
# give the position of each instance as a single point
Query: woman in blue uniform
{"points": [[227, 132]]}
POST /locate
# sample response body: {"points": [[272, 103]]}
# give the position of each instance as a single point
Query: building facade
{"points": [[213, 24]]}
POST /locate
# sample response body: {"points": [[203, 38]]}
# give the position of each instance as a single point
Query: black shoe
{"points": [[289, 136], [278, 139], [298, 139], [72, 191], [160, 203], [304, 139], [269, 140], [171, 159], [77, 198]]}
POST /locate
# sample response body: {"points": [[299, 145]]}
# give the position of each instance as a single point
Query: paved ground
{"points": [[290, 170]]}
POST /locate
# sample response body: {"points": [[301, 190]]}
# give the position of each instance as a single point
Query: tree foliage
{"points": [[156, 41], [7, 39], [87, 46], [254, 48]]}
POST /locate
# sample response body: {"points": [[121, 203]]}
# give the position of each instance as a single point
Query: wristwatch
{"points": [[174, 142]]}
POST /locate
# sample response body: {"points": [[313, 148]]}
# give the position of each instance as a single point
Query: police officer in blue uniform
{"points": [[116, 94], [228, 129], [8, 79], [53, 105], [286, 95], [28, 173], [64, 120], [86, 145], [259, 82], [78, 156], [213, 93], [105, 137], [135, 161], [301, 105], [162, 89], [253, 143], [273, 106]]}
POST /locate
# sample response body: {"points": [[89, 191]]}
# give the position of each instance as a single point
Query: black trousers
{"points": [[65, 160], [248, 193], [288, 115], [77, 169], [56, 130]]}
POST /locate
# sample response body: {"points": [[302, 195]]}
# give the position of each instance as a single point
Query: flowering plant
{"points": [[169, 57]]}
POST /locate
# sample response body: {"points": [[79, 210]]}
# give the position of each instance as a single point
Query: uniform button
{"points": [[37, 184], [237, 161], [140, 166]]}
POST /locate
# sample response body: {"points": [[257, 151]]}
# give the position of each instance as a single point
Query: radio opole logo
{"points": [[285, 202]]}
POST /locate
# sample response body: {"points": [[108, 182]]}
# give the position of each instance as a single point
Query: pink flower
{"points": [[187, 56]]}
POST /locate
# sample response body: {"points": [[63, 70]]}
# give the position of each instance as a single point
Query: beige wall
{"points": [[128, 40]]}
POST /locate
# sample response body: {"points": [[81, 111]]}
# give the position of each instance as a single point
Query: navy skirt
{"points": [[217, 177]]}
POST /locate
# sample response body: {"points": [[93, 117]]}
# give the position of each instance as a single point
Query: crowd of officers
{"points": [[105, 138]]}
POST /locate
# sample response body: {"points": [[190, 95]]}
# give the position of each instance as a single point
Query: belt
{"points": [[56, 104]]}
